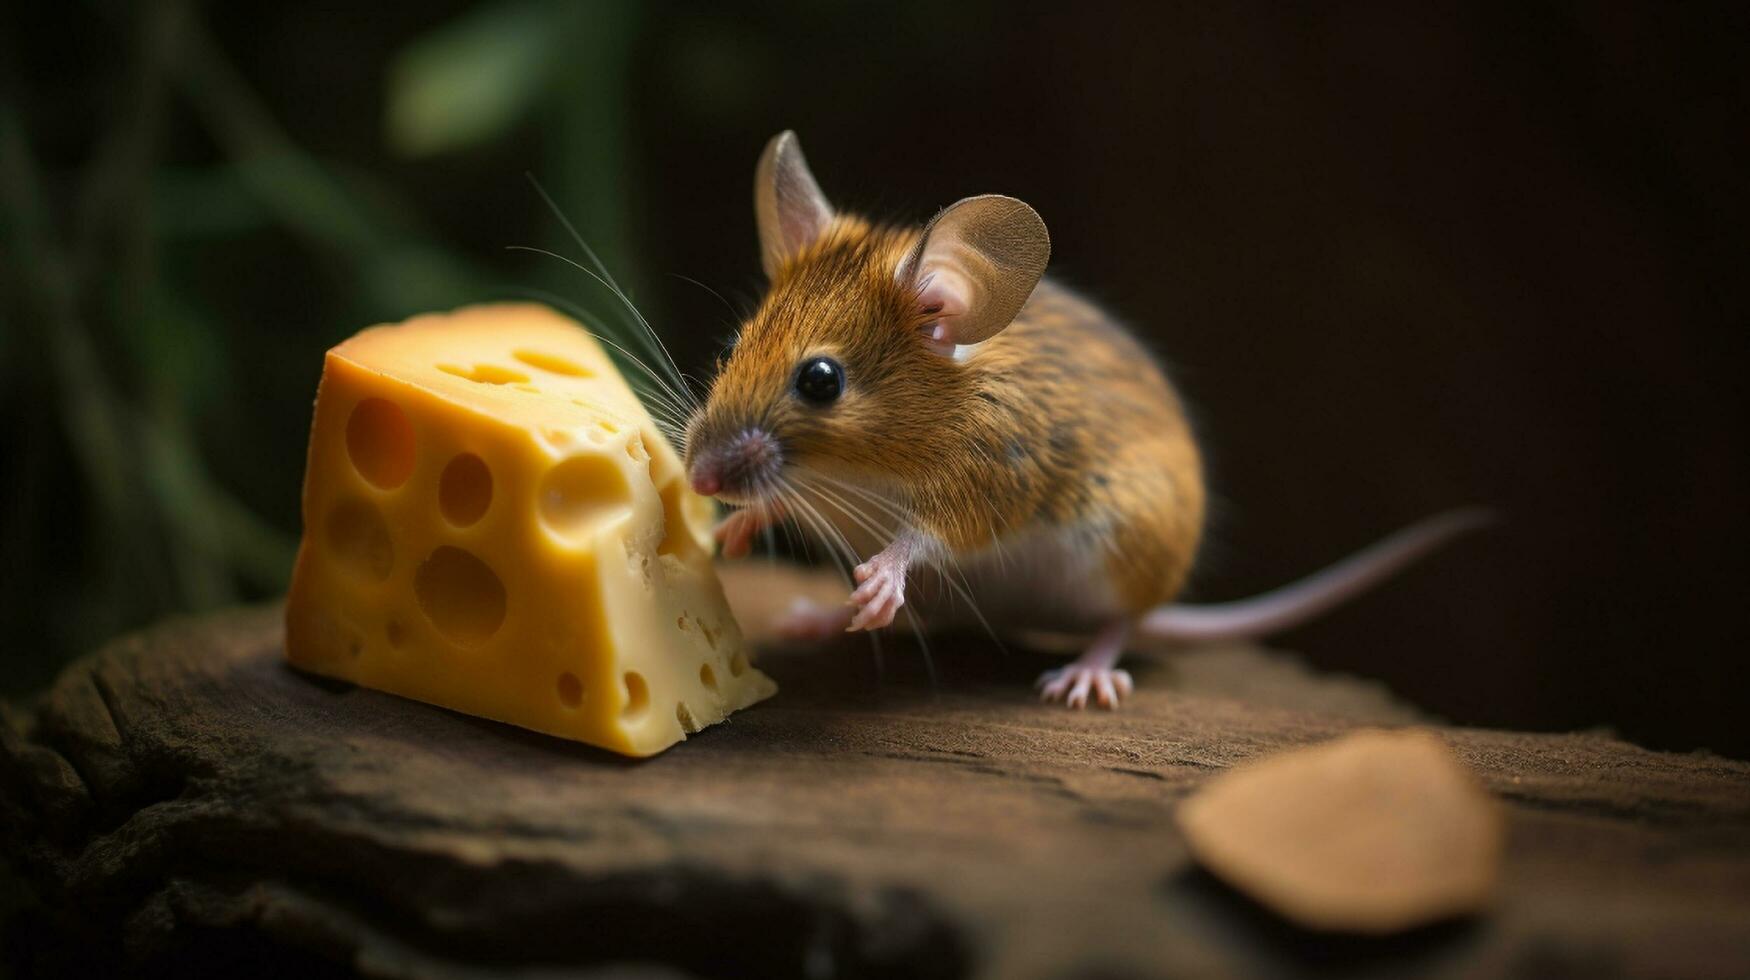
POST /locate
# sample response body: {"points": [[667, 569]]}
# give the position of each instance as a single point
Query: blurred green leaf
{"points": [[398, 274], [212, 202], [412, 278], [473, 78], [181, 356], [306, 197], [151, 297], [590, 171]]}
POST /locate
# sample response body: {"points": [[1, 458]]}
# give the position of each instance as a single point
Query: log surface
{"points": [[183, 800]]}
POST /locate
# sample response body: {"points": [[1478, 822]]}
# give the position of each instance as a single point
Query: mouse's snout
{"points": [[705, 479], [737, 469]]}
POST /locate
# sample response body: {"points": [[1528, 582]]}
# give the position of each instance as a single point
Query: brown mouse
{"points": [[924, 399]]}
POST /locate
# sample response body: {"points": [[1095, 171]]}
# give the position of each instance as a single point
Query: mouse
{"points": [[975, 440]]}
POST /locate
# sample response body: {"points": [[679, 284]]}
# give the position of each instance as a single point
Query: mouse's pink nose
{"points": [[736, 466], [706, 480]]}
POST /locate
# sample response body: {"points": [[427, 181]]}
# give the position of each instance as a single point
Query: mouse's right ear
{"points": [[973, 268], [787, 202]]}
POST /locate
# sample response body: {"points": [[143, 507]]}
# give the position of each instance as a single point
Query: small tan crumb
{"points": [[1371, 833]]}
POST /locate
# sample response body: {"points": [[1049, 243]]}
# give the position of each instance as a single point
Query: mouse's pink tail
{"points": [[1300, 601]]}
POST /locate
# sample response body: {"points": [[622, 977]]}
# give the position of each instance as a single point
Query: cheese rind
{"points": [[494, 524]]}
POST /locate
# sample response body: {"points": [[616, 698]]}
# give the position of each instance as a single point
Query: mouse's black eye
{"points": [[820, 381]]}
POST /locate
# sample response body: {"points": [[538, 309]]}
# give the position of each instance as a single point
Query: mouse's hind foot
{"points": [[808, 621], [1074, 684], [1095, 673]]}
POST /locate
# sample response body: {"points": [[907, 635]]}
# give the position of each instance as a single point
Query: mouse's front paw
{"points": [[807, 621], [880, 593], [1073, 683], [736, 531]]}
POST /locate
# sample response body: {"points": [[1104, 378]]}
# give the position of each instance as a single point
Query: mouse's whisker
{"points": [[769, 486], [880, 662], [734, 315], [823, 528], [836, 542], [670, 398], [675, 383], [794, 518], [833, 537], [911, 614], [888, 507], [948, 567], [963, 589], [854, 513], [781, 491], [917, 628], [644, 330], [606, 277], [669, 411], [668, 417]]}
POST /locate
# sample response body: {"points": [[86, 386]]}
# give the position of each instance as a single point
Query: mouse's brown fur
{"points": [[925, 398], [1061, 422]]}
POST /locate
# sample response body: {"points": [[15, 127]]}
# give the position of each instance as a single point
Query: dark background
{"points": [[1402, 257]]}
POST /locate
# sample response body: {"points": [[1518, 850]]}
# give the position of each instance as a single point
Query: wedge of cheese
{"points": [[492, 523]]}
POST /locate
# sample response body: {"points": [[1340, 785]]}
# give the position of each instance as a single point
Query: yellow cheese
{"points": [[492, 523]]}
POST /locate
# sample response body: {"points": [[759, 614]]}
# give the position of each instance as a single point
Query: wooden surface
{"points": [[182, 799]]}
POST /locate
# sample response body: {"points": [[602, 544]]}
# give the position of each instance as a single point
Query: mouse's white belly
{"points": [[1042, 580], [1051, 579]]}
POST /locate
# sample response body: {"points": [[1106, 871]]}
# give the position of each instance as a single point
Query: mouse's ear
{"points": [[788, 203], [974, 267]]}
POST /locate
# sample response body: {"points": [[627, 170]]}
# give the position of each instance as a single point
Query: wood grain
{"points": [[184, 800]]}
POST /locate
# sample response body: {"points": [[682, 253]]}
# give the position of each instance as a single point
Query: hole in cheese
{"points": [[582, 493], [552, 363], [677, 537], [663, 466], [330, 637], [379, 440], [637, 693], [489, 374], [738, 664], [359, 539], [463, 495], [635, 449], [570, 690], [465, 490], [461, 596]]}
